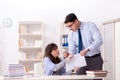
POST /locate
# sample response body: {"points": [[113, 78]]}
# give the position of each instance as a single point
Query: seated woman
{"points": [[53, 65]]}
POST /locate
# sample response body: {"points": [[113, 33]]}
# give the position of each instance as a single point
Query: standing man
{"points": [[85, 39]]}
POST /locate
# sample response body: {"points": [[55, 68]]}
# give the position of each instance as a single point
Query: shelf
{"points": [[64, 35], [65, 47], [64, 31], [29, 34], [30, 47], [30, 60], [31, 43], [31, 22]]}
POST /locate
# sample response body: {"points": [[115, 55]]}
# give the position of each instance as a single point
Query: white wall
{"points": [[52, 13]]}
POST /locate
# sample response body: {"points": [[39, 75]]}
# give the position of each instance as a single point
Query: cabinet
{"points": [[31, 39], [64, 31], [111, 35]]}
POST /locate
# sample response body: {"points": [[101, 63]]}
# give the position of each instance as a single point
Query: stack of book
{"points": [[15, 70], [97, 73]]}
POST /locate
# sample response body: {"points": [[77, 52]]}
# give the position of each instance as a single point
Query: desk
{"points": [[64, 77]]}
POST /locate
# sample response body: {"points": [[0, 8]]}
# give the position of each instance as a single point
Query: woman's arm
{"points": [[59, 65], [48, 64], [62, 63]]}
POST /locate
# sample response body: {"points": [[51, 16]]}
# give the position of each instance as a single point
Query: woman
{"points": [[53, 65]]}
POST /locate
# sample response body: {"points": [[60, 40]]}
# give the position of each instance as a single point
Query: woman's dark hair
{"points": [[48, 50], [70, 18]]}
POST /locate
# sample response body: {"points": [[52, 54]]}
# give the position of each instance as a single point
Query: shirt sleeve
{"points": [[52, 66], [49, 63], [72, 45], [59, 65], [96, 36]]}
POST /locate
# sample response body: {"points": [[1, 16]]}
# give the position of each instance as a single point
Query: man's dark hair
{"points": [[70, 18]]}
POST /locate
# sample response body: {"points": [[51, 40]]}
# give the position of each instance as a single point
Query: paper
{"points": [[77, 60]]}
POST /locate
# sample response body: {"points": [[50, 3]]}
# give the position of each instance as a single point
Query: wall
{"points": [[52, 13]]}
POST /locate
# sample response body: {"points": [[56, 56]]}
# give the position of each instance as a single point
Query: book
{"points": [[38, 43], [21, 43], [22, 29], [97, 73], [27, 69], [38, 56], [14, 70], [22, 56], [76, 61]]}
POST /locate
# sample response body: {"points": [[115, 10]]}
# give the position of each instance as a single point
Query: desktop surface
{"points": [[63, 77]]}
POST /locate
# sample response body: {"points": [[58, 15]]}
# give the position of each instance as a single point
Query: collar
{"points": [[81, 26]]}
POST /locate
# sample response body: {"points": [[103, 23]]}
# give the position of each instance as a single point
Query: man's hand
{"points": [[83, 52], [76, 69], [65, 54]]}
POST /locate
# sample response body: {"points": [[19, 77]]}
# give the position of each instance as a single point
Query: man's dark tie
{"points": [[79, 41]]}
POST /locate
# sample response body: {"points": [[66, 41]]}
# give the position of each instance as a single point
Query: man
{"points": [[85, 39]]}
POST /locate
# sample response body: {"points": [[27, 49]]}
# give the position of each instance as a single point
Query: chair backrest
{"points": [[38, 69]]}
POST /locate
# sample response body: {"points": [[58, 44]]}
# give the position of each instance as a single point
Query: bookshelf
{"points": [[31, 39], [64, 31]]}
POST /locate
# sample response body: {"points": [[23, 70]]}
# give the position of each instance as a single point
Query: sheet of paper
{"points": [[77, 60]]}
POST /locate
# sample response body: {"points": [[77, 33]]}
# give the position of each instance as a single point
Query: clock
{"points": [[7, 22]]}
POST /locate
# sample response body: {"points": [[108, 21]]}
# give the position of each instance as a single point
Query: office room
{"points": [[28, 26]]}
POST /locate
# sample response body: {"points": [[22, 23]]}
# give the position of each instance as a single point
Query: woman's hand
{"points": [[69, 56]]}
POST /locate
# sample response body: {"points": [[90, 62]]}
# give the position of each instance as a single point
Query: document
{"points": [[77, 60]]}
